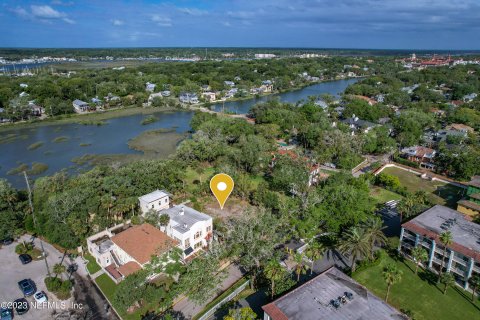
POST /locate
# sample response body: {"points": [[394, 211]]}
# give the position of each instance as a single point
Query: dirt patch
{"points": [[233, 207]]}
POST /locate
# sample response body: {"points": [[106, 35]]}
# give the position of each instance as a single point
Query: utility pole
{"points": [[35, 221]]}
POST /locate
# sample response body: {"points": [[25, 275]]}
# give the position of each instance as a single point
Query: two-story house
{"points": [[191, 228], [126, 248]]}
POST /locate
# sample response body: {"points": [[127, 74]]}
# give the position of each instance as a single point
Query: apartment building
{"points": [[461, 258]]}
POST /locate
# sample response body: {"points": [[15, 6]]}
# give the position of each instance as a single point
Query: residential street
{"points": [[189, 309]]}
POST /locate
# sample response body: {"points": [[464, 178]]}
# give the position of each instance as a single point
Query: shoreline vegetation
{"points": [[100, 117], [151, 144], [36, 169]]}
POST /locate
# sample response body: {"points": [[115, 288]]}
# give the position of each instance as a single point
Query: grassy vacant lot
{"points": [[439, 192], [382, 195], [92, 265], [419, 293]]}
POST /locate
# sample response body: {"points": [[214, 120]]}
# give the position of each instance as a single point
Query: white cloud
{"points": [[193, 11], [162, 20], [46, 12], [117, 22], [43, 13]]}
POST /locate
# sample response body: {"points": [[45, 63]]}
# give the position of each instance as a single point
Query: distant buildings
{"points": [[331, 295], [360, 125], [150, 87], [188, 97], [421, 155], [152, 96], [461, 258], [471, 204], [264, 55], [80, 106]]}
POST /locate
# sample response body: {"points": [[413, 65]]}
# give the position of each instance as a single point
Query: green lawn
{"points": [[92, 265], [109, 287], [439, 192], [382, 195], [416, 294]]}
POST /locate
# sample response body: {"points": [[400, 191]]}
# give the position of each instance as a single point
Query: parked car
{"points": [[6, 314], [27, 286], [21, 306], [25, 258], [40, 297], [7, 241]]}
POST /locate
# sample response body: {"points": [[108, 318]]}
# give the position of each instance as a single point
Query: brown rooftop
{"points": [[129, 268], [143, 241]]}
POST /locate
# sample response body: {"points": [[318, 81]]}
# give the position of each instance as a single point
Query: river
{"points": [[57, 144]]}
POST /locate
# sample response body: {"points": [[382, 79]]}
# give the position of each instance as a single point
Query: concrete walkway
{"points": [[97, 274], [189, 308]]}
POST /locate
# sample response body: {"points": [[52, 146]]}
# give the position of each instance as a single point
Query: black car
{"points": [[27, 286], [7, 241], [25, 258], [21, 306]]}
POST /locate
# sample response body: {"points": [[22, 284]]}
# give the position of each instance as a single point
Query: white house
{"points": [[150, 87], [156, 201], [126, 248], [153, 96], [80, 106], [191, 228]]}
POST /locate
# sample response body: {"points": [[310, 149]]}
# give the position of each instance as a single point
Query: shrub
{"points": [[53, 284], [23, 248]]}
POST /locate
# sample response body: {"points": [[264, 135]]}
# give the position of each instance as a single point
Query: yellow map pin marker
{"points": [[221, 186]]}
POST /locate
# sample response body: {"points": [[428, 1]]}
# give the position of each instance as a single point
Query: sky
{"points": [[369, 24]]}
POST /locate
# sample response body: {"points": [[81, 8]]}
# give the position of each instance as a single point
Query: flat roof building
{"points": [[461, 258], [331, 295]]}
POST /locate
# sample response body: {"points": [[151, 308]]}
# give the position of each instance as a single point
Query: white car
{"points": [[40, 297]]}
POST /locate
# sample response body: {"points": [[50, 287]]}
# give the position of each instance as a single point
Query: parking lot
{"points": [[12, 271]]}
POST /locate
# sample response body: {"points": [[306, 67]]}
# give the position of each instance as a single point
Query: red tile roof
{"points": [[143, 241], [274, 312], [112, 269], [129, 268]]}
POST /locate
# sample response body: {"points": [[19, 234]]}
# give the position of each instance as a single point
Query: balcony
{"points": [[409, 236]]}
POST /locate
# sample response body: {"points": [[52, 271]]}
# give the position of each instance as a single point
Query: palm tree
{"points": [[300, 266], [58, 268], [273, 271], [314, 251], [406, 206], [355, 243], [391, 275], [474, 282], [446, 239], [419, 255], [448, 280], [163, 221], [373, 227]]}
